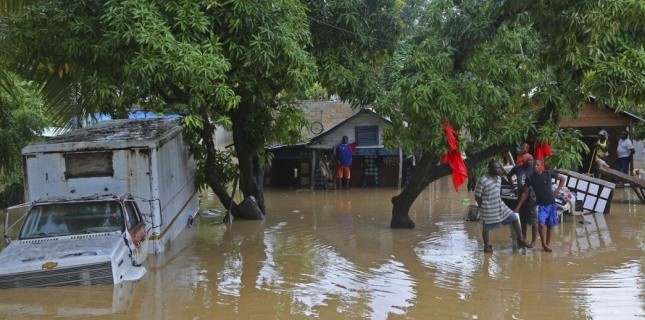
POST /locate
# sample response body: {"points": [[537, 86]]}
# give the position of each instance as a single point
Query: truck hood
{"points": [[24, 255]]}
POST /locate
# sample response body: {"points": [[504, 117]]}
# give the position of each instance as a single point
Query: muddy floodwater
{"points": [[331, 255]]}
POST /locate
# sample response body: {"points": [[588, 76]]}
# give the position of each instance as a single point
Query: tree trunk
{"points": [[258, 177], [213, 179], [427, 171], [246, 150], [424, 172]]}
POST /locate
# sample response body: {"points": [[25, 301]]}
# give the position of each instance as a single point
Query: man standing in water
{"points": [[602, 151], [547, 210], [344, 152], [492, 209], [625, 151], [528, 212]]}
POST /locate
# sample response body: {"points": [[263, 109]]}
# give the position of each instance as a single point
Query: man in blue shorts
{"points": [[541, 182], [492, 210]]}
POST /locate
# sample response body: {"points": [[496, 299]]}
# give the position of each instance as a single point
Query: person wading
{"points": [[344, 152], [492, 210], [540, 182], [528, 212]]}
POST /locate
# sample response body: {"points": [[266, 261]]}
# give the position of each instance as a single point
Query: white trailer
{"points": [[140, 167]]}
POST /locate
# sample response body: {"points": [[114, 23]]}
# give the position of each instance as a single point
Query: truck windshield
{"points": [[71, 218]]}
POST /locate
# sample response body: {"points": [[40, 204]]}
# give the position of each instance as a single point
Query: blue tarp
{"points": [[137, 114]]}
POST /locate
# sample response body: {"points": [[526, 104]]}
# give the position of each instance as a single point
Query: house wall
{"points": [[349, 129], [591, 115], [328, 112]]}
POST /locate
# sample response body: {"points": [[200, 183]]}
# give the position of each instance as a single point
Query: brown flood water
{"points": [[331, 255]]}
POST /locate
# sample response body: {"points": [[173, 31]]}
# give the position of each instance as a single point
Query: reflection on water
{"points": [[331, 254], [614, 292], [452, 255]]}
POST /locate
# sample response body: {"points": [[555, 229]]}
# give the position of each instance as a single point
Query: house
{"points": [[291, 165], [311, 165], [591, 119]]}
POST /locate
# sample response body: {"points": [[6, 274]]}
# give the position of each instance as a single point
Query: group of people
{"points": [[536, 203], [624, 152]]}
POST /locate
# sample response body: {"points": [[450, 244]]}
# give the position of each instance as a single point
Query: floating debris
{"points": [[210, 213]]}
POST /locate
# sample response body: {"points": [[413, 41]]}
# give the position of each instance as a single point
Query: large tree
{"points": [[234, 63], [21, 123], [503, 71]]}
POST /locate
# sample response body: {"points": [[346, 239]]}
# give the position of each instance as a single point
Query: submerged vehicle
{"points": [[100, 199], [92, 240]]}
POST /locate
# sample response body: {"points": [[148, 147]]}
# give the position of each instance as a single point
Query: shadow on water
{"points": [[331, 254]]}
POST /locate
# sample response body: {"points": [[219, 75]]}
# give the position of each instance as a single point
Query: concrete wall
{"points": [[328, 112]]}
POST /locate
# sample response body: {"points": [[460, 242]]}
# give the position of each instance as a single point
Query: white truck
{"points": [[99, 200]]}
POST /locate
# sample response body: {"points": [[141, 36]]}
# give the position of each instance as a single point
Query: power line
{"points": [[350, 32]]}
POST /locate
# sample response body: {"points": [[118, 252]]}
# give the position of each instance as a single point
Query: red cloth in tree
{"points": [[453, 157], [541, 150], [451, 136]]}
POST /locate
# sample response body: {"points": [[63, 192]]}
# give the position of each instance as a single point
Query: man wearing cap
{"points": [[602, 151]]}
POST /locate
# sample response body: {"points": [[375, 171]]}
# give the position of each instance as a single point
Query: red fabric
{"points": [[541, 150], [458, 166], [451, 136], [453, 157]]}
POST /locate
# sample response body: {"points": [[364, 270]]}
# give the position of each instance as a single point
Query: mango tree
{"points": [[501, 71], [233, 63]]}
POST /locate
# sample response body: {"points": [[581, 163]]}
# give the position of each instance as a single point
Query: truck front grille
{"points": [[98, 273]]}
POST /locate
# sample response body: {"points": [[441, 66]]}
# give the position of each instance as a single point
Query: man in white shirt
{"points": [[625, 152]]}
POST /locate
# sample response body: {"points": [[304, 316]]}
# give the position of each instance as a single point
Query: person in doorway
{"points": [[625, 151], [344, 153], [492, 209], [602, 151], [547, 210], [528, 212]]}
